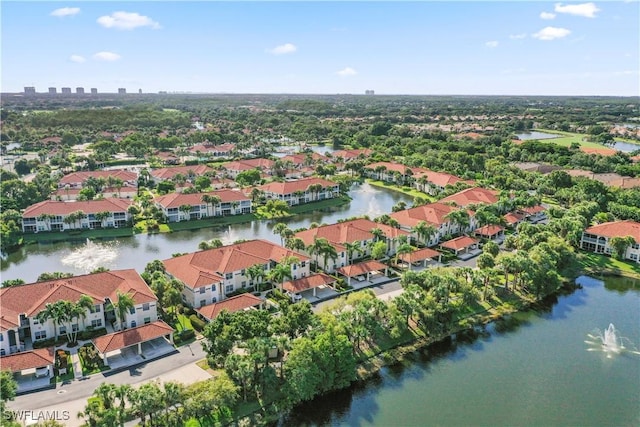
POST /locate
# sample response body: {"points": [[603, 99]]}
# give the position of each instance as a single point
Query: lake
{"points": [[136, 251], [536, 135], [532, 369]]}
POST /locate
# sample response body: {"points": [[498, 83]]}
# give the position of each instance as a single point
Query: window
{"points": [[242, 272], [303, 264], [132, 310], [95, 309], [244, 283], [1, 337], [228, 276], [133, 324], [145, 306], [213, 288], [147, 320], [96, 323], [213, 300], [36, 321], [74, 327], [202, 290], [203, 302], [62, 330], [228, 289], [295, 267], [40, 335]]}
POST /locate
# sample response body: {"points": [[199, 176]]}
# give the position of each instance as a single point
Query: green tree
{"points": [[124, 303], [619, 245], [378, 250]]}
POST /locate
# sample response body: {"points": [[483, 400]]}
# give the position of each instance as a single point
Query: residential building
{"points": [[122, 90], [20, 306], [66, 90], [596, 238], [472, 196], [231, 305], [59, 216], [356, 232], [52, 91], [349, 155], [389, 171], [232, 202], [206, 149], [94, 91], [300, 191], [301, 160], [80, 91], [263, 165], [77, 179], [210, 275], [435, 215], [435, 183], [188, 172], [29, 90]]}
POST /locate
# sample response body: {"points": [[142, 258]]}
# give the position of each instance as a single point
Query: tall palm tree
{"points": [[404, 248], [281, 230], [56, 312], [123, 304], [458, 217], [279, 274], [211, 201], [255, 272], [328, 251], [424, 231], [353, 247]]}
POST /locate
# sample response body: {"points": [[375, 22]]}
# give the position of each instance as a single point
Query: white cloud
{"points": [[517, 36], [551, 33], [127, 21], [346, 72], [77, 58], [65, 11], [106, 56], [283, 49], [547, 15], [588, 10], [492, 43]]}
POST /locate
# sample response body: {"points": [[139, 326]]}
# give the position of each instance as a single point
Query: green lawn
{"points": [[59, 236], [182, 323], [602, 264], [412, 192], [567, 138]]}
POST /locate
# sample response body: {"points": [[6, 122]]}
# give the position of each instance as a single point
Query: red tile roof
{"points": [[309, 282], [248, 164], [301, 158], [205, 267], [420, 255], [231, 305], [512, 218], [32, 298], [489, 230], [208, 148], [352, 154], [532, 210], [169, 173], [390, 166], [432, 213], [52, 207], [361, 268], [355, 230], [459, 243], [617, 229], [132, 336], [290, 187], [78, 177], [440, 179], [473, 196], [38, 358], [175, 200]]}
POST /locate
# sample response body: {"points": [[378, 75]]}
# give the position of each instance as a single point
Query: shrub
{"points": [[187, 334], [91, 333], [197, 323]]}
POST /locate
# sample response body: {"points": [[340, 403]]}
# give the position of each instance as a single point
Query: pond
{"points": [[536, 135], [625, 147], [546, 367], [136, 251]]}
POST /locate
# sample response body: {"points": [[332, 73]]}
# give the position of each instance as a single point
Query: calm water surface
{"points": [[136, 251], [533, 369]]}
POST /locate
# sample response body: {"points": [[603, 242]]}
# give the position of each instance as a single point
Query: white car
{"points": [[294, 297]]}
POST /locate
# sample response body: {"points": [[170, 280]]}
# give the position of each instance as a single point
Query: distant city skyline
{"points": [[421, 48]]}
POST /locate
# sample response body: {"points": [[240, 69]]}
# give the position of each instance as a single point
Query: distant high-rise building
{"points": [[53, 91], [29, 90], [94, 91], [122, 90], [80, 90], [66, 90], [369, 92], [140, 91]]}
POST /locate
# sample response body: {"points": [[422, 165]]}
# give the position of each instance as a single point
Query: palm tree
{"points": [[424, 231], [211, 201], [404, 248], [210, 244], [56, 312], [84, 303], [378, 234], [254, 272], [186, 210], [328, 251], [295, 244], [281, 230], [279, 274], [314, 189], [123, 304], [459, 217], [352, 248]]}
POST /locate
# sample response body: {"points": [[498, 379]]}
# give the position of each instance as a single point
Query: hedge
{"points": [[197, 323]]}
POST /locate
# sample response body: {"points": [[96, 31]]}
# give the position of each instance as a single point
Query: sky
{"points": [[421, 48]]}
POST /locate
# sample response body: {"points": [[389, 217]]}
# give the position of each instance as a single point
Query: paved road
{"points": [[72, 397]]}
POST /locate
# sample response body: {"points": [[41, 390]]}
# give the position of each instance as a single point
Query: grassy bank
{"points": [[76, 235], [411, 192], [601, 265]]}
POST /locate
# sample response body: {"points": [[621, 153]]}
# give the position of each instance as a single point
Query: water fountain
{"points": [[610, 342], [90, 256]]}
